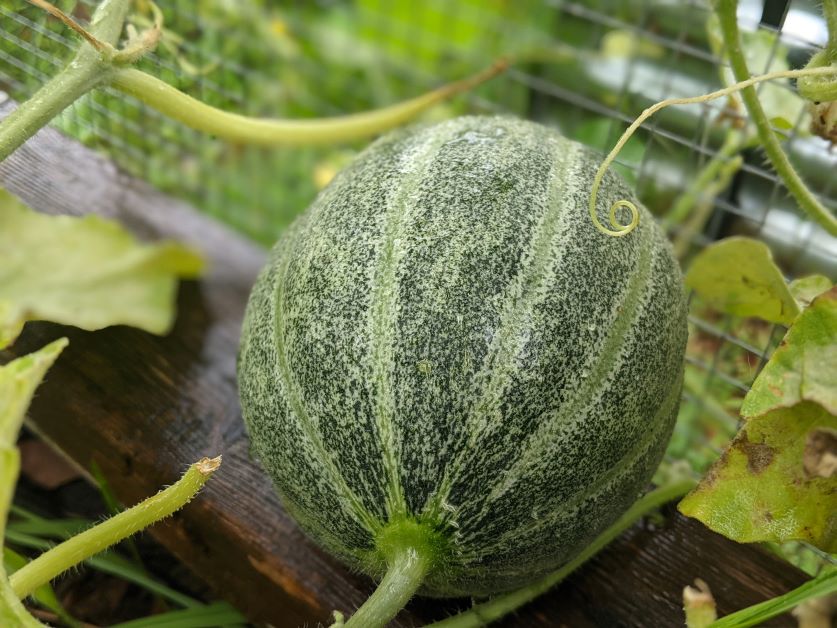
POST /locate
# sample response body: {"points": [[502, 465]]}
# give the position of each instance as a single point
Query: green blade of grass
{"points": [[46, 529], [754, 615], [113, 564], [209, 616]]}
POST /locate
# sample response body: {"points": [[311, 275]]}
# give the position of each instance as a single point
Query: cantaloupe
{"points": [[444, 351]]}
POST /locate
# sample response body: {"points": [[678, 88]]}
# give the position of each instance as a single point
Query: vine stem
{"points": [[482, 614], [88, 69], [99, 64], [829, 11], [84, 545], [56, 95], [727, 16], [265, 131], [12, 611], [407, 568], [814, 208]]}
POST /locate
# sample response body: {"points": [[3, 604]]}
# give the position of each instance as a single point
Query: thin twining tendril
{"points": [[620, 229]]}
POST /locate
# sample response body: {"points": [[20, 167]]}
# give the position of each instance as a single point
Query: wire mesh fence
{"points": [[586, 67]]}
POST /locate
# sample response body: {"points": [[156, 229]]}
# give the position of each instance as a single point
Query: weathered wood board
{"points": [[143, 407]]}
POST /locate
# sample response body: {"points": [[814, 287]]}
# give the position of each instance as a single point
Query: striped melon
{"points": [[444, 344]]}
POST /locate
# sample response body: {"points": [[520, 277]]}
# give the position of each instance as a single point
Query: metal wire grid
{"points": [[416, 52]]}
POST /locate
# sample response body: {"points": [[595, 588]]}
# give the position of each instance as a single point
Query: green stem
{"points": [[829, 11], [93, 68], [823, 584], [265, 131], [80, 547], [88, 69], [12, 612], [56, 95], [407, 567], [482, 614], [727, 16]]}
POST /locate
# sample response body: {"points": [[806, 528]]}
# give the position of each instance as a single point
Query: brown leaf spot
{"points": [[714, 472], [759, 456], [820, 457]]}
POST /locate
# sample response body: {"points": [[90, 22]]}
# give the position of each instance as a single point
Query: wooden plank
{"points": [[143, 407]]}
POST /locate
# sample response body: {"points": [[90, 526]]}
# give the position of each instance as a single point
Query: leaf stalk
{"points": [[82, 546]]}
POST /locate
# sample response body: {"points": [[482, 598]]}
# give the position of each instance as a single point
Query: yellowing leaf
{"points": [[88, 272], [804, 367], [806, 289], [738, 276], [760, 489], [18, 380]]}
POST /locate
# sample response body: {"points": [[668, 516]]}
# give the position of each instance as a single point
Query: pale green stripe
{"points": [[606, 361], [320, 453], [383, 322], [589, 491], [500, 358]]}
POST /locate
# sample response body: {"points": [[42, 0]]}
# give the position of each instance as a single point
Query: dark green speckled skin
{"points": [[445, 335]]}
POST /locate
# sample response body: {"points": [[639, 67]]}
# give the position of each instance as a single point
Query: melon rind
{"points": [[444, 336]]}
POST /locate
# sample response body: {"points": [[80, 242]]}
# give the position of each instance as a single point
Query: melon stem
{"points": [[407, 568]]}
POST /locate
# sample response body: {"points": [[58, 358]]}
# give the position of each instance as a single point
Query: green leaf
{"points": [[804, 367], [761, 490], [88, 272], [738, 276], [806, 289], [782, 124], [18, 381]]}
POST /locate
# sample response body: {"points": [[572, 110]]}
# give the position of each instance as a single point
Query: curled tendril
{"points": [[622, 230], [619, 229]]}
